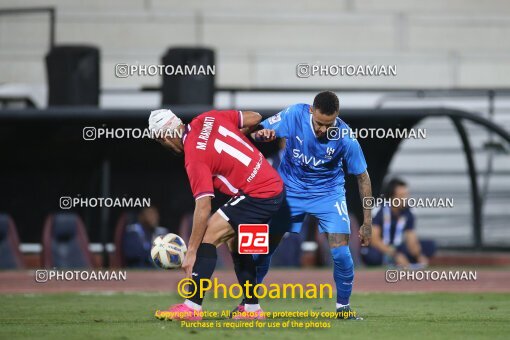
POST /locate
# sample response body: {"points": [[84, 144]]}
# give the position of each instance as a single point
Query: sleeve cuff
{"points": [[204, 194], [241, 123], [357, 173]]}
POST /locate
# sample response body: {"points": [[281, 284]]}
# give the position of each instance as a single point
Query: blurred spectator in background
{"points": [[394, 239], [138, 237]]}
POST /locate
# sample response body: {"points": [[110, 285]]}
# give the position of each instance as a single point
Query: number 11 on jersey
{"points": [[221, 146]]}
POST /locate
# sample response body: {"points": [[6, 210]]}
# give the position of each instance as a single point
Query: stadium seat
{"points": [[65, 242], [10, 256], [125, 219]]}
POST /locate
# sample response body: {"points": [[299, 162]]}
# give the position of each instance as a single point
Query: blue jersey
{"points": [[309, 165]]}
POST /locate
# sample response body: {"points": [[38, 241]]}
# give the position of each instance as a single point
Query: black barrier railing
{"points": [[388, 94], [189, 111]]}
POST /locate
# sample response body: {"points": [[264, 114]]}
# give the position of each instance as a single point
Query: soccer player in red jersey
{"points": [[218, 155]]}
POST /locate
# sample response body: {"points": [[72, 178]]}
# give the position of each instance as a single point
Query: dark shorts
{"points": [[243, 209], [373, 257]]}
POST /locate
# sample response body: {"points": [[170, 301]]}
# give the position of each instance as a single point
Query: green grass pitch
{"points": [[130, 316]]}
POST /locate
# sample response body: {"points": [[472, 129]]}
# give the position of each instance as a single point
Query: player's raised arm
{"points": [[264, 135], [200, 217], [365, 191], [276, 126], [251, 120]]}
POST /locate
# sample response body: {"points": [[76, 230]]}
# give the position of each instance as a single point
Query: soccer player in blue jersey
{"points": [[318, 144]]}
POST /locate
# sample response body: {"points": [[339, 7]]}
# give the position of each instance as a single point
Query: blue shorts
{"points": [[330, 210]]}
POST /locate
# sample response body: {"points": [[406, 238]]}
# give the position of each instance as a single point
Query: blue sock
{"points": [[343, 273], [262, 262]]}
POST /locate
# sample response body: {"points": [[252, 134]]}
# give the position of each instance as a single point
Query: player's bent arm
{"points": [[251, 120], [264, 135], [365, 191], [200, 217]]}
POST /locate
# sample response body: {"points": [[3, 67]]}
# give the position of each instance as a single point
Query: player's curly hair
{"points": [[326, 102]]}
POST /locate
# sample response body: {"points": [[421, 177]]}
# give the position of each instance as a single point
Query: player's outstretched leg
{"points": [[203, 269], [343, 273], [280, 224], [261, 262], [245, 271], [205, 263]]}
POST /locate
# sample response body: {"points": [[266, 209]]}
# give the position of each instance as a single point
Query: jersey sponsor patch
{"points": [[276, 118]]}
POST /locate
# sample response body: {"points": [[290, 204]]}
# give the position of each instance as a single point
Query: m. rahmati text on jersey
{"points": [[206, 131]]}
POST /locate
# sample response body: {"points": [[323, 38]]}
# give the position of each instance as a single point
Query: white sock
{"points": [[339, 305], [251, 308], [193, 305]]}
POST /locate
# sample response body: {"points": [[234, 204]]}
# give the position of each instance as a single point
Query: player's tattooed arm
{"points": [[251, 121], [365, 191], [200, 217]]}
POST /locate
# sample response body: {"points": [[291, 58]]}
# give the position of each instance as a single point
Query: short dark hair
{"points": [[392, 185], [326, 102]]}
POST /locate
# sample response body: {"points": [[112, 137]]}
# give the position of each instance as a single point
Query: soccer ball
{"points": [[168, 251]]}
